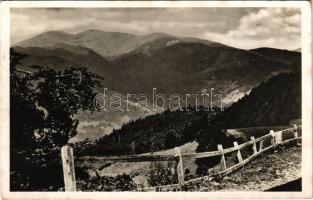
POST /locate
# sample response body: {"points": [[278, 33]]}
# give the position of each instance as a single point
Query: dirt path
{"points": [[263, 173]]}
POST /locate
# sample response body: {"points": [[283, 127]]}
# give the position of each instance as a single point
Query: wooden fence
{"points": [[258, 146]]}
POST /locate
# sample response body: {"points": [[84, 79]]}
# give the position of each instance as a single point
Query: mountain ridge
{"points": [[171, 64], [107, 44]]}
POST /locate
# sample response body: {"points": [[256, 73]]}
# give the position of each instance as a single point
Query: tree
{"points": [[43, 108]]}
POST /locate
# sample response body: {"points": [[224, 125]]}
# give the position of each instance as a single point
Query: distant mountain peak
{"points": [[46, 39]]}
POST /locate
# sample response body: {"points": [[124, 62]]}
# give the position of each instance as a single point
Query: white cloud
{"points": [[293, 20], [268, 22], [269, 27]]}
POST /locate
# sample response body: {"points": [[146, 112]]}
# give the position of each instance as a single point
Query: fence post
{"points": [[238, 152], [223, 161], [180, 169], [295, 131], [68, 168], [272, 137], [278, 137], [261, 145], [255, 151]]}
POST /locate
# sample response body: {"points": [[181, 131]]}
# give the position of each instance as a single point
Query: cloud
{"points": [[268, 22], [238, 27], [180, 22], [270, 27]]}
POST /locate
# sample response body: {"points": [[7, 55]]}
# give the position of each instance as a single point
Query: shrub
{"points": [[161, 174], [106, 183]]}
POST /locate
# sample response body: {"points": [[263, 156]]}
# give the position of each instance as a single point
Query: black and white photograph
{"points": [[157, 99]]}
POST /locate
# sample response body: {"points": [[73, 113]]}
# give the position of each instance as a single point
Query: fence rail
{"points": [[132, 158], [276, 139]]}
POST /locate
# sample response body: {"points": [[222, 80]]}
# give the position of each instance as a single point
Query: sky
{"points": [[244, 28]]}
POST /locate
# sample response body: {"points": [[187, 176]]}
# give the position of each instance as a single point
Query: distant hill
{"points": [[63, 56], [107, 44], [282, 55], [189, 67], [273, 103]]}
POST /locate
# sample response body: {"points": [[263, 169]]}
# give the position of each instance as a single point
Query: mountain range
{"points": [[106, 44], [174, 65]]}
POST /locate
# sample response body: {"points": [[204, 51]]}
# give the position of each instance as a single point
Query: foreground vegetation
{"points": [[42, 112]]}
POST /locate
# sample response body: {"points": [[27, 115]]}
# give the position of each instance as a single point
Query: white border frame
{"points": [[306, 102]]}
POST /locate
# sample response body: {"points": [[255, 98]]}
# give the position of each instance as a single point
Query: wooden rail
{"points": [[275, 139], [132, 158]]}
